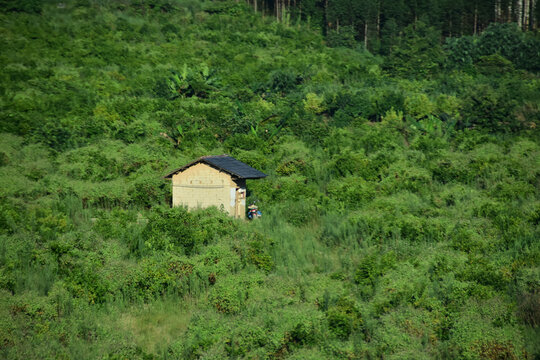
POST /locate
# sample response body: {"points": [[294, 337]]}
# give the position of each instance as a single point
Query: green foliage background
{"points": [[401, 214]]}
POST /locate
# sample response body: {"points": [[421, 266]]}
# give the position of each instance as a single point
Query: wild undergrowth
{"points": [[400, 215]]}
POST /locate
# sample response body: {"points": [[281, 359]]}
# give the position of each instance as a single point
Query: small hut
{"points": [[213, 181]]}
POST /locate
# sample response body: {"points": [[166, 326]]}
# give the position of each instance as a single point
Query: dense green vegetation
{"points": [[401, 215]]}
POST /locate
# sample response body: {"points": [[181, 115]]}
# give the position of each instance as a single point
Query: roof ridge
{"points": [[226, 163], [215, 156]]}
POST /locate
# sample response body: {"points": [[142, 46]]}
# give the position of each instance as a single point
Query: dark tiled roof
{"points": [[225, 163]]}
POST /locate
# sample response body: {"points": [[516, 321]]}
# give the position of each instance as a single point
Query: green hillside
{"points": [[401, 214]]}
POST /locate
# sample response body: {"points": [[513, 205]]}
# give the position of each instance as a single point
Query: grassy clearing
{"points": [[155, 326]]}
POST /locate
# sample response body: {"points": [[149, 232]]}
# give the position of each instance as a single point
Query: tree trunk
{"points": [[365, 35], [525, 11], [379, 20], [461, 24], [531, 15], [475, 18], [325, 17], [519, 13]]}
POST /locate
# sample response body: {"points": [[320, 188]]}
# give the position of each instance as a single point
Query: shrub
{"points": [[354, 163], [451, 167], [477, 334], [501, 39], [529, 308], [461, 52], [483, 272], [296, 188], [212, 225], [385, 101], [255, 249], [465, 238], [418, 106], [403, 176], [11, 216], [489, 109], [258, 255], [418, 53], [379, 139], [27, 6], [344, 318], [351, 191], [283, 81], [303, 333], [245, 340], [342, 38], [89, 163], [147, 191], [301, 212], [169, 229], [372, 267], [252, 158], [405, 284], [295, 166], [230, 295], [85, 281], [512, 190], [157, 276], [351, 105], [313, 103], [244, 142], [494, 65]]}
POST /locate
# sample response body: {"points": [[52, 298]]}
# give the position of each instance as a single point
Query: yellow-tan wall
{"points": [[202, 186]]}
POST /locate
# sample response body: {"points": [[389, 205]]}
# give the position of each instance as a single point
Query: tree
{"points": [[509, 41], [418, 53]]}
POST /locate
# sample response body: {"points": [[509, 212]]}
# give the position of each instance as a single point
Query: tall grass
{"points": [[36, 278], [296, 251]]}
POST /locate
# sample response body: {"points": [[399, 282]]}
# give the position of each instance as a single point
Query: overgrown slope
{"points": [[401, 214]]}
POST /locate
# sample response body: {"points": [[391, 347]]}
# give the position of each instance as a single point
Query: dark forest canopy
{"points": [[373, 20]]}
